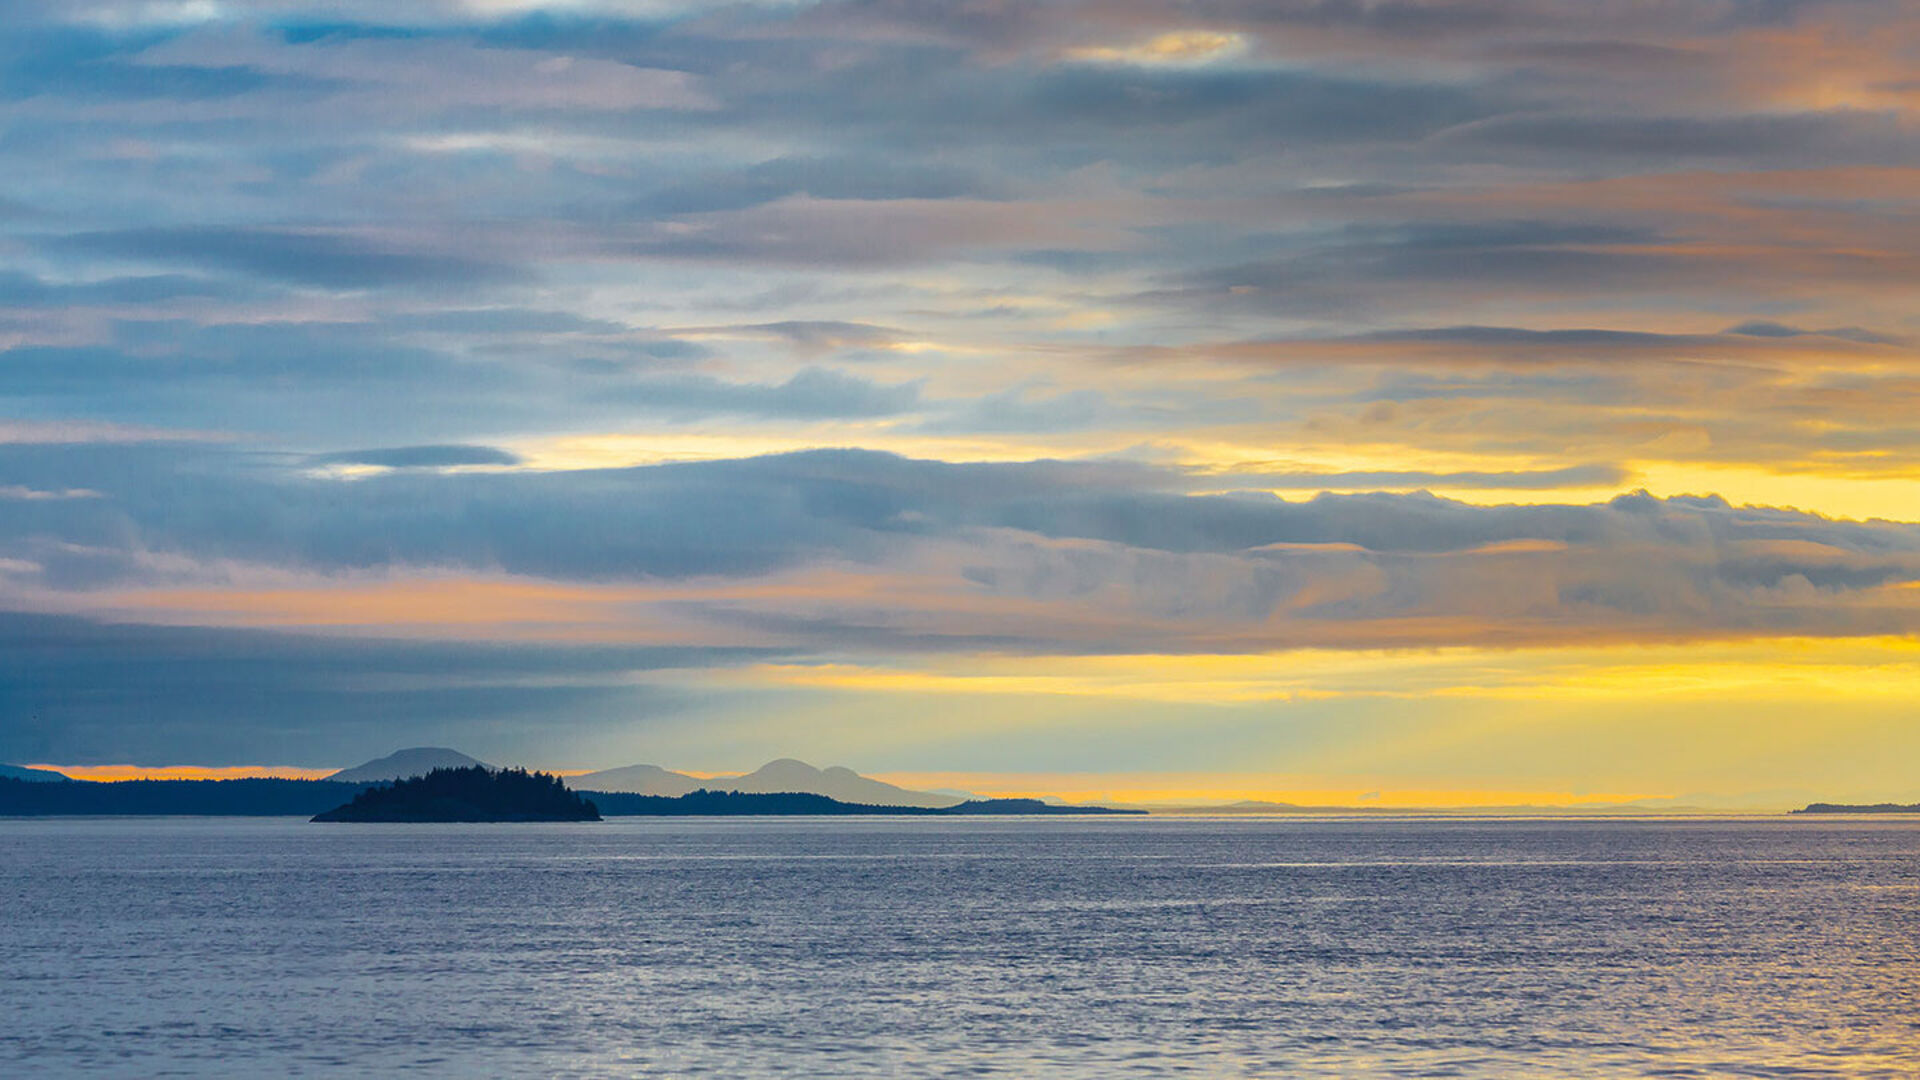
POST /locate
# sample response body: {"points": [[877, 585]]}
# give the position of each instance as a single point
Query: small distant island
{"points": [[1847, 808], [474, 793]]}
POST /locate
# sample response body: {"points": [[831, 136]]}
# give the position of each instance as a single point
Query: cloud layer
{"points": [[858, 334], [1052, 557]]}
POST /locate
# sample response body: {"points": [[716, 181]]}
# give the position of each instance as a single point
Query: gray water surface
{"points": [[986, 947]]}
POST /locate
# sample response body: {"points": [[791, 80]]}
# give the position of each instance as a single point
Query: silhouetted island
{"points": [[1845, 808], [251, 797], [474, 793], [264, 796]]}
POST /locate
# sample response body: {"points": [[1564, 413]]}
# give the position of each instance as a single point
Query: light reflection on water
{"points": [[1160, 947]]}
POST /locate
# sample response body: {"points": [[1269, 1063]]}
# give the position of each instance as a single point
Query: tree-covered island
{"points": [[1855, 808], [474, 793]]}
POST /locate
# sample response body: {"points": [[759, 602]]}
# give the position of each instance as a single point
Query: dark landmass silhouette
{"points": [[778, 777], [266, 797], [256, 797], [705, 803], [708, 803], [1855, 808], [472, 793], [34, 776], [403, 764], [1030, 806]]}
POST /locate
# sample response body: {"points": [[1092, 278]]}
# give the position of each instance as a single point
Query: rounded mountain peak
{"points": [[403, 764]]}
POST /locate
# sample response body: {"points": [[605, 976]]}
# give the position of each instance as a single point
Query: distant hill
{"points": [[835, 782], [639, 780], [474, 793], [781, 776], [36, 776], [401, 764], [707, 803]]}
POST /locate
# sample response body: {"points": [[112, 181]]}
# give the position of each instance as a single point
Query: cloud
{"points": [[1019, 408], [1178, 47], [812, 393], [19, 492], [419, 457], [483, 380], [1372, 259], [829, 332], [1423, 345], [1279, 104], [501, 320], [1555, 340], [319, 258], [24, 290], [848, 234], [821, 178], [1763, 328], [425, 73], [94, 67], [1043, 556], [1668, 137], [1145, 264], [1582, 476], [811, 334], [95, 431]]}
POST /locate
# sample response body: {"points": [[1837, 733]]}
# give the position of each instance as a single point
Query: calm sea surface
{"points": [[805, 947]]}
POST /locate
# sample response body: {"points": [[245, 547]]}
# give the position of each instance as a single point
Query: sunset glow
{"points": [[1471, 404]]}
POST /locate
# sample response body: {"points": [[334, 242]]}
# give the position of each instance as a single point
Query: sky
{"points": [[1327, 400]]}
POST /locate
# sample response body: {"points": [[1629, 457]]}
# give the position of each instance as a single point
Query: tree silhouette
{"points": [[474, 793]]}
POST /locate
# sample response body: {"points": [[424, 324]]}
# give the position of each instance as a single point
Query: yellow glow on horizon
{"points": [[1730, 687], [116, 773], [1760, 677], [1201, 789], [1867, 669], [1835, 492]]}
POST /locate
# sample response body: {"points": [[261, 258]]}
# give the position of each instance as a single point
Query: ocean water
{"points": [[978, 948]]}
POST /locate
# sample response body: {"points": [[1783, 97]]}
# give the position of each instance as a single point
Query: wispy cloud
{"points": [[848, 332]]}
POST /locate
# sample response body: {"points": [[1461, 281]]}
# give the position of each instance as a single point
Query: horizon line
{"points": [[1110, 789]]}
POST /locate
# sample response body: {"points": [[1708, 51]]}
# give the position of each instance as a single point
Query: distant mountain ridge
{"points": [[708, 803], [640, 780], [778, 777], [405, 764], [36, 776], [421, 801]]}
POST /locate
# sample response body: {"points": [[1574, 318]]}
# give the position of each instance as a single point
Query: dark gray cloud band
{"points": [[1683, 566]]}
